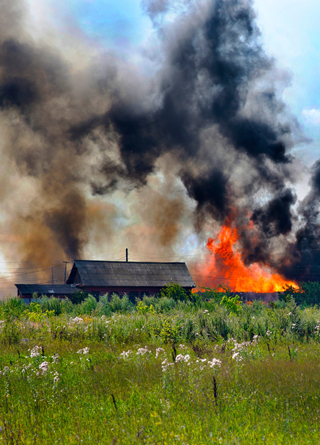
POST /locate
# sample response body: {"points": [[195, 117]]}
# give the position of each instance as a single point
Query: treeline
{"points": [[307, 294]]}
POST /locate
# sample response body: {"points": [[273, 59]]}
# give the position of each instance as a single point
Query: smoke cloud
{"points": [[209, 123]]}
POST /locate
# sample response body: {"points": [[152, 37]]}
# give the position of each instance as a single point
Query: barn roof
{"points": [[46, 289], [133, 274]]}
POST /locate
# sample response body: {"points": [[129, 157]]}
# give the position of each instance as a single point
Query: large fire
{"points": [[225, 266]]}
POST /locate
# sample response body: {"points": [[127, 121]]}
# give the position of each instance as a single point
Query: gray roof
{"points": [[46, 289], [133, 274]]}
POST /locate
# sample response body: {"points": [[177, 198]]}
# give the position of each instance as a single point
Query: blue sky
{"points": [[291, 33], [113, 23]]}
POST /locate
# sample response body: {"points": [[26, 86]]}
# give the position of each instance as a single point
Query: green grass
{"points": [[262, 389]]}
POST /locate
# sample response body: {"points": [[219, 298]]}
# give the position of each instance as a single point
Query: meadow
{"points": [[166, 370]]}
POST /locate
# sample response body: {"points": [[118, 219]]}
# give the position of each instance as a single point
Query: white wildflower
{"points": [[158, 350], [55, 358], [236, 356], [76, 320], [183, 358], [83, 351], [44, 367], [215, 362], [125, 354], [165, 364], [182, 347], [142, 351], [206, 311], [35, 352]]}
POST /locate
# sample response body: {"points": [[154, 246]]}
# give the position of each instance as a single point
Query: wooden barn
{"points": [[133, 278], [26, 291]]}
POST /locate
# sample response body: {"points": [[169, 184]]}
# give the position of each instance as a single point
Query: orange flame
{"points": [[225, 266]]}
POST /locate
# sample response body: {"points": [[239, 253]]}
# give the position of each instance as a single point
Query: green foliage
{"points": [[51, 304], [160, 305], [56, 391], [79, 296], [233, 304], [142, 308], [307, 294], [215, 294], [115, 303], [118, 304], [11, 332], [88, 305], [175, 292], [36, 314], [170, 330], [103, 299], [12, 308], [149, 373]]}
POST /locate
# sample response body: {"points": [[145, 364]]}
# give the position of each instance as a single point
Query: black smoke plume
{"points": [[210, 113]]}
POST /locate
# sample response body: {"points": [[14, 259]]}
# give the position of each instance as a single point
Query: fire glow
{"points": [[225, 266]]}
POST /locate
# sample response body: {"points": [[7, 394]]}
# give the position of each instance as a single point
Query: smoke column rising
{"points": [[89, 143]]}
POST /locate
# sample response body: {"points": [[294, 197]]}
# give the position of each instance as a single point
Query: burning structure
{"points": [[95, 152]]}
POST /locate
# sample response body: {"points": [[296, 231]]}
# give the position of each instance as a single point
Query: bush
{"points": [[233, 304], [88, 305], [79, 296], [115, 303], [51, 304], [175, 292], [12, 308]]}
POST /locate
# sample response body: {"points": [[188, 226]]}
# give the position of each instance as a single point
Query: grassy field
{"points": [[160, 372]]}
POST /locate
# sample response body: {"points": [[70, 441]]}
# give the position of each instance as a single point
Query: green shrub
{"points": [[233, 304], [115, 303], [215, 294], [88, 305], [12, 308], [79, 296], [51, 304], [175, 292]]}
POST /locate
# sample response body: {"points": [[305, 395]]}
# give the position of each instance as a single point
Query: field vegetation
{"points": [[178, 369]]}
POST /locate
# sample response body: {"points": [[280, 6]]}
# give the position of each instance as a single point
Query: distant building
{"points": [[26, 291], [133, 278]]}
